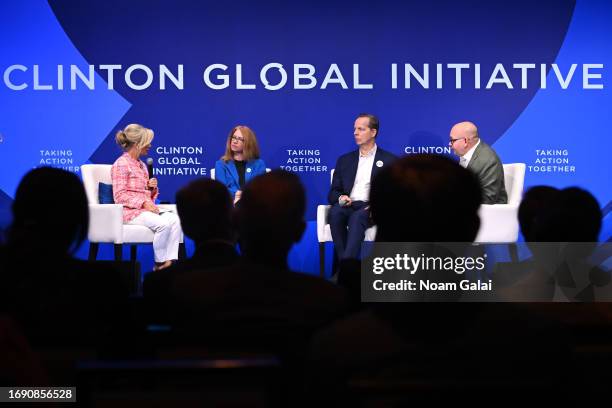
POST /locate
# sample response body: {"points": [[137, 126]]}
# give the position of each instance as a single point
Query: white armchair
{"points": [[106, 220], [499, 222], [324, 231]]}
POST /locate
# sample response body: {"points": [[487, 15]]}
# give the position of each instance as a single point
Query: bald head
{"points": [[465, 129], [463, 136]]}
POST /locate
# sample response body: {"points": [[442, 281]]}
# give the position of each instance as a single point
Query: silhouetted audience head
{"points": [[270, 217], [205, 208], [50, 213], [425, 198], [547, 214], [536, 201]]}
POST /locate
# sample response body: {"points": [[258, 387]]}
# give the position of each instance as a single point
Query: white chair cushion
{"points": [[105, 223], [499, 222], [137, 234]]}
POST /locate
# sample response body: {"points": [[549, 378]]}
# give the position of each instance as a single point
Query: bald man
{"points": [[477, 156]]}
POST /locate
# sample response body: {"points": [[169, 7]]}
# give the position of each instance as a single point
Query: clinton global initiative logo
{"points": [[179, 161]]}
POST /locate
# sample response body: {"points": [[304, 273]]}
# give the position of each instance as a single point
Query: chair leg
{"points": [[133, 252], [182, 251], [118, 252], [93, 251], [322, 259]]}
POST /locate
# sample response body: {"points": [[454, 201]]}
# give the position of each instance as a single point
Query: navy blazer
{"points": [[346, 170], [226, 173]]}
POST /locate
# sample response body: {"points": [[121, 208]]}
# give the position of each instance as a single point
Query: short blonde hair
{"points": [[251, 148], [134, 134]]}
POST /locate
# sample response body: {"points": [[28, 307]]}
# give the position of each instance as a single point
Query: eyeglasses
{"points": [[452, 141], [238, 138]]}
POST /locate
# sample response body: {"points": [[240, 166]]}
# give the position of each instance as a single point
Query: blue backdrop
{"points": [[559, 131]]}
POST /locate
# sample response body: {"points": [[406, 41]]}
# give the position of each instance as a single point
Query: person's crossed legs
{"points": [[348, 226]]}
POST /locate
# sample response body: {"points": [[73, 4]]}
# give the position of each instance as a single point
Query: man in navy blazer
{"points": [[349, 195]]}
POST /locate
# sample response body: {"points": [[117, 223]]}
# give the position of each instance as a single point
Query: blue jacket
{"points": [[227, 173], [346, 170]]}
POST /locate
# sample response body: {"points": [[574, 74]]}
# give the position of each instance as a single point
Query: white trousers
{"points": [[167, 233]]}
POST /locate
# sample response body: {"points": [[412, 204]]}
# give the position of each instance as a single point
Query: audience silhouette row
{"points": [[237, 289]]}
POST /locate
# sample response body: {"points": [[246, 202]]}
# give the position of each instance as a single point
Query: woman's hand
{"points": [[152, 183], [149, 206], [237, 196]]}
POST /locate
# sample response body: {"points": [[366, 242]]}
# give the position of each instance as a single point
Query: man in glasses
{"points": [[477, 156]]}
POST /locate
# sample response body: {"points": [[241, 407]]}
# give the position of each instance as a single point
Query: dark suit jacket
{"points": [[346, 170], [490, 172]]}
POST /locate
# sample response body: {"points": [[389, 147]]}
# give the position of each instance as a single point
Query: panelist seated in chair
{"points": [[133, 188], [241, 161], [350, 189], [480, 158]]}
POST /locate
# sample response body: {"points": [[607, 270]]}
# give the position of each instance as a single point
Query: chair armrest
{"points": [[171, 207], [499, 210], [322, 213], [498, 223], [105, 223]]}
